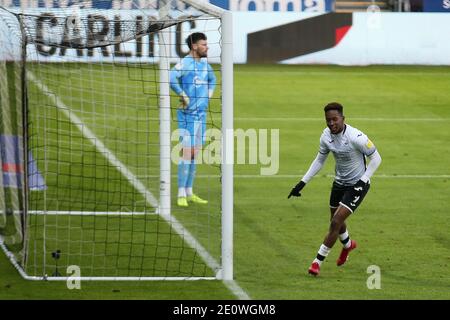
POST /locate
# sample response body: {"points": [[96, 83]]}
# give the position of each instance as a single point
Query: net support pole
{"points": [[164, 113], [228, 146], [25, 186]]}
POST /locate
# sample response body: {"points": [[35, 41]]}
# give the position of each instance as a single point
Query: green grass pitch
{"points": [[401, 227]]}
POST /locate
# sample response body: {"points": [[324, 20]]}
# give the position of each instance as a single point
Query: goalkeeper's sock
{"points": [[345, 239], [189, 192], [322, 254], [191, 176], [181, 192], [183, 172]]}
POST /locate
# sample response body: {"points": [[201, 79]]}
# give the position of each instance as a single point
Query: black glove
{"points": [[296, 190]]}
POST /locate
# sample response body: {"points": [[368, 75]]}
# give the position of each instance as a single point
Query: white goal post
{"points": [[110, 208]]}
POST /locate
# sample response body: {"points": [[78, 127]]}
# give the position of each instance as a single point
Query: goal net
{"points": [[89, 146]]}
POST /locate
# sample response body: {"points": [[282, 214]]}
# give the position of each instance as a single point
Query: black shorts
{"points": [[346, 196]]}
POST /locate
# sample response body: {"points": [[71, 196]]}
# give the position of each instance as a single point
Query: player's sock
{"points": [[183, 172], [191, 176], [181, 192], [345, 239], [322, 254]]}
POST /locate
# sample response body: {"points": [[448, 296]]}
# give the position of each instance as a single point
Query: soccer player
{"points": [[193, 80], [350, 148]]}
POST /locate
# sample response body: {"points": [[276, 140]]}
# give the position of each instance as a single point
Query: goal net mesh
{"points": [[80, 95]]}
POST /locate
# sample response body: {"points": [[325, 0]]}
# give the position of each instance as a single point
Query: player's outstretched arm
{"points": [[315, 167], [296, 189]]}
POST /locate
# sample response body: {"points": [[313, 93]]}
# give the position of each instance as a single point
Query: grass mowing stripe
{"points": [[276, 240], [102, 149]]}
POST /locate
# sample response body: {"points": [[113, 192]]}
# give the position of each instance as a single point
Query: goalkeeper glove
{"points": [[296, 190], [184, 99]]}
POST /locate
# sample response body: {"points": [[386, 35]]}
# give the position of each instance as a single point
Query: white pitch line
{"points": [[297, 119], [369, 72], [89, 213], [291, 119], [282, 176], [382, 176], [139, 186], [412, 176]]}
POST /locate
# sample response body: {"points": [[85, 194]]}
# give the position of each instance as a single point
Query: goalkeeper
{"points": [[193, 80], [350, 147]]}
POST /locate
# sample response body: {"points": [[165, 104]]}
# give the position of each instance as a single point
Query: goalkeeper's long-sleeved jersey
{"points": [[196, 79]]}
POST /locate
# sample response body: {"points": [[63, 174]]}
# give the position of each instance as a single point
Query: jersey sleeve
{"points": [[175, 74], [315, 167], [364, 144], [211, 78], [323, 148]]}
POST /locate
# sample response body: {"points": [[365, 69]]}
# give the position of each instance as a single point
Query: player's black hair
{"points": [[334, 106], [194, 37]]}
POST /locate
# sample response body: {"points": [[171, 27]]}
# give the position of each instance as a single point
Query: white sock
{"points": [[189, 192], [322, 254], [181, 192], [345, 239], [318, 261]]}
